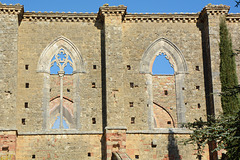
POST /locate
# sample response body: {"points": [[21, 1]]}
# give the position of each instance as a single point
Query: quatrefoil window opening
{"points": [[61, 61]]}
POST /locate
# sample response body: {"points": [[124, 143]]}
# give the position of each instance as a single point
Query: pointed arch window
{"points": [[61, 65], [176, 59]]}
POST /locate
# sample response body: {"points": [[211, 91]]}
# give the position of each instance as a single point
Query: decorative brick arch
{"points": [[53, 47], [44, 65], [178, 62]]}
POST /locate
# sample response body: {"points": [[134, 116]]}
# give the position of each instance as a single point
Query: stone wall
{"points": [[60, 147], [9, 69], [160, 146], [111, 95]]}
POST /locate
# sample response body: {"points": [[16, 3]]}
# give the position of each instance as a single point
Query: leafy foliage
{"points": [[225, 130]]}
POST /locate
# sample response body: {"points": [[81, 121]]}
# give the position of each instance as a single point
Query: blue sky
{"points": [[138, 6]]}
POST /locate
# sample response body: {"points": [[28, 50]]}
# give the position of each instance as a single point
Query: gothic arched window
{"points": [[173, 81], [61, 64]]}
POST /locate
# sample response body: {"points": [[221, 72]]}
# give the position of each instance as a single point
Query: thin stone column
{"points": [[61, 75]]}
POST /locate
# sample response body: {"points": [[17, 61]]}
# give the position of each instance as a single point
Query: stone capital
{"points": [[11, 9], [107, 10], [214, 10]]}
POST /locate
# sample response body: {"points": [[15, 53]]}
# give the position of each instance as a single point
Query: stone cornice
{"points": [[171, 18], [112, 10], [11, 9], [59, 17], [107, 10], [214, 10], [233, 18]]}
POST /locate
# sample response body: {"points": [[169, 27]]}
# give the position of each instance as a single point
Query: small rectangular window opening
{"points": [[50, 89], [26, 104], [128, 67], [131, 104], [5, 148], [169, 122], [154, 145], [198, 87], [93, 120], [132, 120], [165, 92], [68, 90], [183, 88], [23, 121], [26, 67], [197, 68], [131, 85], [186, 103], [136, 156], [94, 66], [33, 156], [27, 85], [199, 105], [93, 85], [89, 154]]}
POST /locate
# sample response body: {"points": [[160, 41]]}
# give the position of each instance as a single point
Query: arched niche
{"points": [[43, 68], [178, 62]]}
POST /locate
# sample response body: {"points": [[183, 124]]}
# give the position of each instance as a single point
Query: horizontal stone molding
{"points": [[60, 17], [171, 18], [233, 18], [75, 132], [61, 132], [116, 128], [11, 9], [162, 131]]}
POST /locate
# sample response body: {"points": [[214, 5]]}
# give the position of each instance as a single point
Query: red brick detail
{"points": [[8, 145], [115, 142]]}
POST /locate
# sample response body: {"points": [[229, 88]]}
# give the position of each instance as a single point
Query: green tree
{"points": [[225, 130], [228, 76]]}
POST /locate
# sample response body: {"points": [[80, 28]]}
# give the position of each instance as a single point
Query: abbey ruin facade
{"points": [[108, 104]]}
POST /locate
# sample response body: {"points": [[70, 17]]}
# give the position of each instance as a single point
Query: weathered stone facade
{"points": [[112, 104]]}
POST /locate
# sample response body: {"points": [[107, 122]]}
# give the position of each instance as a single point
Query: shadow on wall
{"points": [[173, 151]]}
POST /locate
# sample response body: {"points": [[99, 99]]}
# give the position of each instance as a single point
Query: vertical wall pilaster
{"points": [[210, 16], [10, 17], [112, 19]]}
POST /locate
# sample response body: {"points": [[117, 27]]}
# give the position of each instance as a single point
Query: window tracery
{"points": [[61, 111]]}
